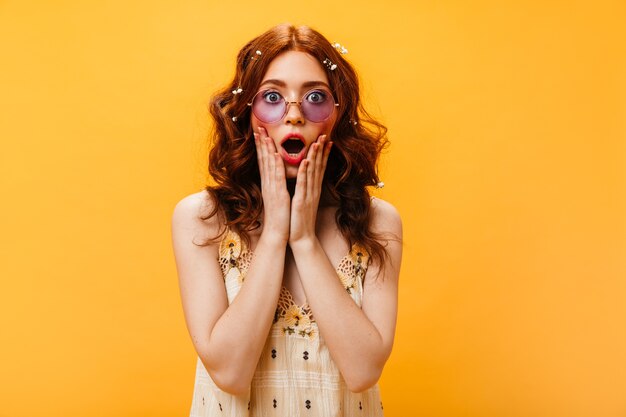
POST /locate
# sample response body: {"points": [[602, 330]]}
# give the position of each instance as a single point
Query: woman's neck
{"points": [[325, 199]]}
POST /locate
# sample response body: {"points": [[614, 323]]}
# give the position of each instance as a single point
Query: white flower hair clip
{"points": [[329, 64], [258, 53], [342, 50], [237, 91], [380, 185]]}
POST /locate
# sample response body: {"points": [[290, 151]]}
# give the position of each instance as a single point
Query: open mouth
{"points": [[293, 146]]}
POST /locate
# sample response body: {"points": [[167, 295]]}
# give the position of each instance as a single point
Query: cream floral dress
{"points": [[295, 375]]}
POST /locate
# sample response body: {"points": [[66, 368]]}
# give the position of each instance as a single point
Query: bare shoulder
{"points": [[194, 203], [190, 215], [385, 218]]}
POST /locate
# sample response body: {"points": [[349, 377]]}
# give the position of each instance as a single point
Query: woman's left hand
{"points": [[306, 197]]}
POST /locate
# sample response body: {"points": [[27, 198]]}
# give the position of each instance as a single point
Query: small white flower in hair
{"points": [[380, 185], [258, 52], [234, 118], [329, 64], [237, 91], [342, 50]]}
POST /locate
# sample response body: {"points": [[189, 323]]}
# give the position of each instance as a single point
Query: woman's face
{"points": [[290, 75]]}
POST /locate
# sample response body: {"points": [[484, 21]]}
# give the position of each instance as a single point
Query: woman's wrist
{"points": [[304, 244], [274, 237]]}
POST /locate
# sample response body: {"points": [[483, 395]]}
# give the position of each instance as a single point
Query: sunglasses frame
{"points": [[299, 103]]}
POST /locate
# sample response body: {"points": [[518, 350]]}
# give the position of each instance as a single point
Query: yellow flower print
{"points": [[305, 322], [360, 259], [229, 253], [293, 315], [293, 319], [230, 247], [359, 255], [298, 322]]}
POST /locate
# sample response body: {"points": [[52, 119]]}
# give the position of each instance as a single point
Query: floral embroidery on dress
{"points": [[294, 319], [353, 268], [233, 254], [348, 281], [230, 249]]}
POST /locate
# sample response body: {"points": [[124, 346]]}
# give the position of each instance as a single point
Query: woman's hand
{"points": [[276, 200], [306, 198]]}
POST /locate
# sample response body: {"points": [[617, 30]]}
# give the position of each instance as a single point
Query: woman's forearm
{"points": [[353, 341], [237, 339]]}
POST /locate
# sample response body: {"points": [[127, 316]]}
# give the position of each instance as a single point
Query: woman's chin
{"points": [[291, 171]]}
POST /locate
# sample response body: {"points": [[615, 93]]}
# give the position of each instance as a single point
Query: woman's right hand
{"points": [[276, 199]]}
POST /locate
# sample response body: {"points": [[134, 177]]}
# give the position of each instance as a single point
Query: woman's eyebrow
{"points": [[281, 83]]}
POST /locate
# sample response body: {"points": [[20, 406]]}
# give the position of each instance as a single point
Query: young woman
{"points": [[288, 269]]}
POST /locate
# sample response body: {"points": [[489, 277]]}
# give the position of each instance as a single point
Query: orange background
{"points": [[508, 164]]}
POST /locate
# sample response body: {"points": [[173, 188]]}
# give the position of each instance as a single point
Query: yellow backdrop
{"points": [[508, 164]]}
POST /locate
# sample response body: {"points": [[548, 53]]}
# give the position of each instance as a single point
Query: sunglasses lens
{"points": [[268, 106], [317, 105]]}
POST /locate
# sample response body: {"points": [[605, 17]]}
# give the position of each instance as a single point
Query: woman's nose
{"points": [[294, 114]]}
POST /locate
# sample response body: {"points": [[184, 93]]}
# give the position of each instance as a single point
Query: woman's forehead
{"points": [[304, 85], [295, 69]]}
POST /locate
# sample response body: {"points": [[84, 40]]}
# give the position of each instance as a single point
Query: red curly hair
{"points": [[357, 138]]}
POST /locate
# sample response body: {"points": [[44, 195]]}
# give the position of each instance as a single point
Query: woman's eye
{"points": [[316, 97], [272, 97]]}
